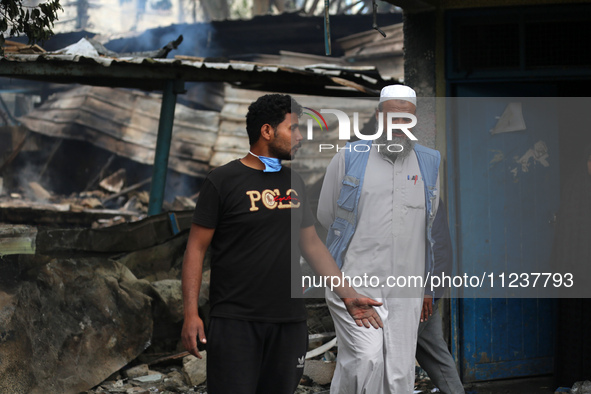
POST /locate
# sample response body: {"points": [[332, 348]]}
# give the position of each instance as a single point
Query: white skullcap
{"points": [[398, 92]]}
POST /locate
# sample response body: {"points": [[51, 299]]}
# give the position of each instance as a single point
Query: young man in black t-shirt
{"points": [[255, 215]]}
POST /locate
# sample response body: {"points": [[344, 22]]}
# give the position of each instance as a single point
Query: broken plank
{"points": [[17, 240], [172, 357], [55, 214], [128, 189]]}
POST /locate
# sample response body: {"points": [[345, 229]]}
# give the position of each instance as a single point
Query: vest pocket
{"points": [[348, 194]]}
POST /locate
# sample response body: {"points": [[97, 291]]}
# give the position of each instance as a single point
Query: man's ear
{"points": [[267, 132]]}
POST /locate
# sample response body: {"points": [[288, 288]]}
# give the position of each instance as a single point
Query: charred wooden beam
{"points": [[17, 239]]}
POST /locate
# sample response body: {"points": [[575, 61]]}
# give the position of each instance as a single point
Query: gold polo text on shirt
{"points": [[272, 199]]}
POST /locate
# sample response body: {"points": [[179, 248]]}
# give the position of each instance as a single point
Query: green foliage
{"points": [[36, 23]]}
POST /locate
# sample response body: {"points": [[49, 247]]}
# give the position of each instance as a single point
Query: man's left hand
{"points": [[427, 308], [363, 312]]}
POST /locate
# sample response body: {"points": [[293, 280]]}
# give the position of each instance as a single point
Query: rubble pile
{"points": [[175, 379], [106, 206], [69, 323], [78, 304], [188, 376]]}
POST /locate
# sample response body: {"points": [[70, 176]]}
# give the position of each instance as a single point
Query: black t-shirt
{"points": [[257, 217]]}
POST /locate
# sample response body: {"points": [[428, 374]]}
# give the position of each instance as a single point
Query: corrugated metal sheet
{"points": [[126, 123], [370, 48], [151, 74]]}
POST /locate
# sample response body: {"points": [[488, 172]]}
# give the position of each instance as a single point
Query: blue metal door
{"points": [[506, 187]]}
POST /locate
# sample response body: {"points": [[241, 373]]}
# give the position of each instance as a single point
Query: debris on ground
{"points": [[423, 384], [581, 388]]}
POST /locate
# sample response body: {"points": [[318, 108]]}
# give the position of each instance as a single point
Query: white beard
{"points": [[406, 143]]}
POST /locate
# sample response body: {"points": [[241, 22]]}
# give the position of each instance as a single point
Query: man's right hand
{"points": [[362, 311], [193, 329]]}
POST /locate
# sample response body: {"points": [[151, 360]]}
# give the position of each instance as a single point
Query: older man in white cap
{"points": [[378, 200]]}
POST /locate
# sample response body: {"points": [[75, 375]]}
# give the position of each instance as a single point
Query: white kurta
{"points": [[389, 241]]}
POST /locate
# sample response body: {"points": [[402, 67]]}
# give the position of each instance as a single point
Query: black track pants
{"points": [[245, 357]]}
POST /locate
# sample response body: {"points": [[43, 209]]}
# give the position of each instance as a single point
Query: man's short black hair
{"points": [[271, 109]]}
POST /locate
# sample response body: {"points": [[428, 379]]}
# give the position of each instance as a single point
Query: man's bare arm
{"points": [[359, 307], [199, 240]]}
